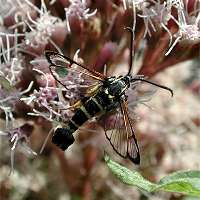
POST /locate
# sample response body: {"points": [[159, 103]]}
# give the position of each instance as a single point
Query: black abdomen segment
{"points": [[89, 109], [63, 137]]}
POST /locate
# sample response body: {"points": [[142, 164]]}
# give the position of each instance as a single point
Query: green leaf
{"points": [[184, 182], [190, 198]]}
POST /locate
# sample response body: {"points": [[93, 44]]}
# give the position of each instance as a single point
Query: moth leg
{"points": [[76, 105], [91, 90]]}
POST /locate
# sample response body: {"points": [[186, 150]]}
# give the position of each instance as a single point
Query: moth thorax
{"points": [[117, 88]]}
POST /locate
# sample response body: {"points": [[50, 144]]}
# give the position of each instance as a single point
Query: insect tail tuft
{"points": [[63, 138]]}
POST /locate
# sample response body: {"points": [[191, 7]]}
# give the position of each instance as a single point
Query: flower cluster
{"points": [[165, 33], [42, 28], [18, 137], [54, 100], [78, 9], [157, 14]]}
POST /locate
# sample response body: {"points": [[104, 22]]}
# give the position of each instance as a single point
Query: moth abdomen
{"points": [[63, 138]]}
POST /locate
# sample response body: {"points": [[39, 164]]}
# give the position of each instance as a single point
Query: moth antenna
{"points": [[131, 50], [152, 83]]}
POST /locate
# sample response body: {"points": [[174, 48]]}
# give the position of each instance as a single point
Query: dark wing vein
{"points": [[78, 80], [58, 60], [121, 136]]}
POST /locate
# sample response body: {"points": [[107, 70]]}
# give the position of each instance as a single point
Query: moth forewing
{"points": [[56, 58]]}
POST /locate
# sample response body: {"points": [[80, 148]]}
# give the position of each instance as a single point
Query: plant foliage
{"points": [[184, 182]]}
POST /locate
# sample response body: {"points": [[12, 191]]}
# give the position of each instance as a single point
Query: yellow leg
{"points": [[91, 91]]}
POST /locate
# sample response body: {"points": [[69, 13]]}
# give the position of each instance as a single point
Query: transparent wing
{"points": [[60, 61], [119, 131], [79, 80]]}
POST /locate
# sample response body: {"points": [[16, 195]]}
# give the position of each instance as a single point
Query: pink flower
{"points": [[19, 138], [78, 9]]}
